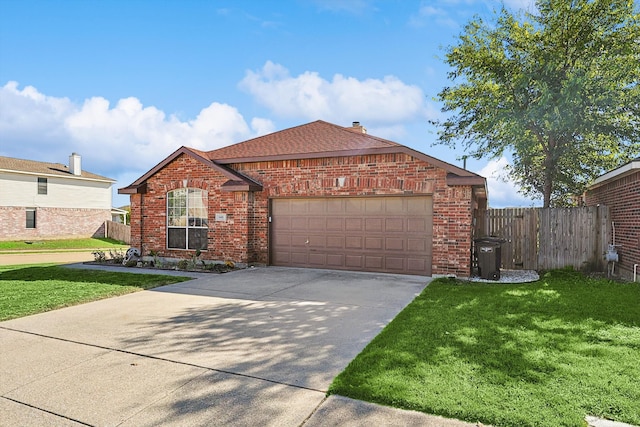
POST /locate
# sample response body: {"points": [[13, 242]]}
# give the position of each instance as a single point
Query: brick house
{"points": [[40, 200], [619, 189], [316, 195]]}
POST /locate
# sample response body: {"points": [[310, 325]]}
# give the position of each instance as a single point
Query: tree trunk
{"points": [[547, 185]]}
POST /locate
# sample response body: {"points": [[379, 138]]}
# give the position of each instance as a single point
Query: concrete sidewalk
{"points": [[252, 347], [30, 257]]}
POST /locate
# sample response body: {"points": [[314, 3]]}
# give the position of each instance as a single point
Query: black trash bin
{"points": [[488, 254]]}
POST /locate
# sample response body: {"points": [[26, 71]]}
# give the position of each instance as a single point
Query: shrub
{"points": [[99, 256], [183, 264], [116, 256]]}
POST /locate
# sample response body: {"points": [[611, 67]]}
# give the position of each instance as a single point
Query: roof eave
{"points": [[618, 173], [139, 185], [54, 175], [133, 189], [231, 186]]}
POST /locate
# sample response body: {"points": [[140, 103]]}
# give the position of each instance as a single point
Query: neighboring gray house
{"points": [[40, 200]]}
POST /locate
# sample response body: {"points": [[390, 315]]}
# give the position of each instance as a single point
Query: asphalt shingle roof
{"points": [[44, 168], [312, 138]]}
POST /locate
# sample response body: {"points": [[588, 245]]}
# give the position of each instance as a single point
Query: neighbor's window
{"points": [[31, 218], [42, 185], [187, 224]]}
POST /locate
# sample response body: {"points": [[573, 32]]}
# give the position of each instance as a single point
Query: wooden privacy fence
{"points": [[117, 231], [543, 239]]}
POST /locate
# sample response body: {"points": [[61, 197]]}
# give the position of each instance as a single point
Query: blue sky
{"points": [[125, 83]]}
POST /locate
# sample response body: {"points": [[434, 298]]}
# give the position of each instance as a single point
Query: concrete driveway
{"points": [[252, 347]]}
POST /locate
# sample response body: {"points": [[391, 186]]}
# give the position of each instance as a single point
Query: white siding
{"points": [[22, 190]]}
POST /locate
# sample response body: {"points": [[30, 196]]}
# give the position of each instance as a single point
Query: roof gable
{"points": [[33, 167], [240, 182]]}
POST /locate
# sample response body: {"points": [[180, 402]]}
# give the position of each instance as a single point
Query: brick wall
{"points": [[622, 196], [244, 236], [52, 223], [226, 240], [385, 174]]}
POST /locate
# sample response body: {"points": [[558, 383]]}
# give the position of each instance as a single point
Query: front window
{"points": [[187, 220], [31, 218], [42, 185]]}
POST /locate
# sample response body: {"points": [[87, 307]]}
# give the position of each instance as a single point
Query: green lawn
{"points": [[47, 245], [540, 354], [26, 290]]}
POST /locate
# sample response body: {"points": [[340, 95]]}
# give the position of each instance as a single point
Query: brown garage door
{"points": [[385, 234]]}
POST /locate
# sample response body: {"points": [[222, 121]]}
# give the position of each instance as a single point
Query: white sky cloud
{"points": [[308, 96], [503, 193], [111, 138]]}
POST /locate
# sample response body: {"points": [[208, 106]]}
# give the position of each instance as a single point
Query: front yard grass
{"points": [[539, 354], [26, 290]]}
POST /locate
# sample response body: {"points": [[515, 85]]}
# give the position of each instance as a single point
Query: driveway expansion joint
{"points": [[48, 412]]}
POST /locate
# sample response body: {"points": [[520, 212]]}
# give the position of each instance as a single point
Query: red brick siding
{"points": [[387, 174], [226, 240], [52, 223], [244, 237], [622, 196]]}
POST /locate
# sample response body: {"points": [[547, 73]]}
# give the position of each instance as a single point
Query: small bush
{"points": [[131, 263], [99, 256], [116, 256], [183, 264]]}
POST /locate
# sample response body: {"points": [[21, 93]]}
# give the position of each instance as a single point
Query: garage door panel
{"points": [[298, 240], [283, 222], [335, 224], [316, 241], [299, 223], [395, 225], [317, 224], [418, 225], [354, 224], [419, 205], [416, 264], [353, 242], [374, 206], [299, 258], [335, 260], [283, 207], [317, 259], [353, 205], [378, 233], [373, 243], [334, 205], [298, 206], [335, 242], [374, 262], [394, 244], [355, 262], [417, 245], [395, 205], [394, 263], [373, 225]]}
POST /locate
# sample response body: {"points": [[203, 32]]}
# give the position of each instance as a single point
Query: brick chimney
{"points": [[357, 128], [75, 164]]}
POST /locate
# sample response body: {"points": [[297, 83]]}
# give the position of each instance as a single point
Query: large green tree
{"points": [[558, 89]]}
